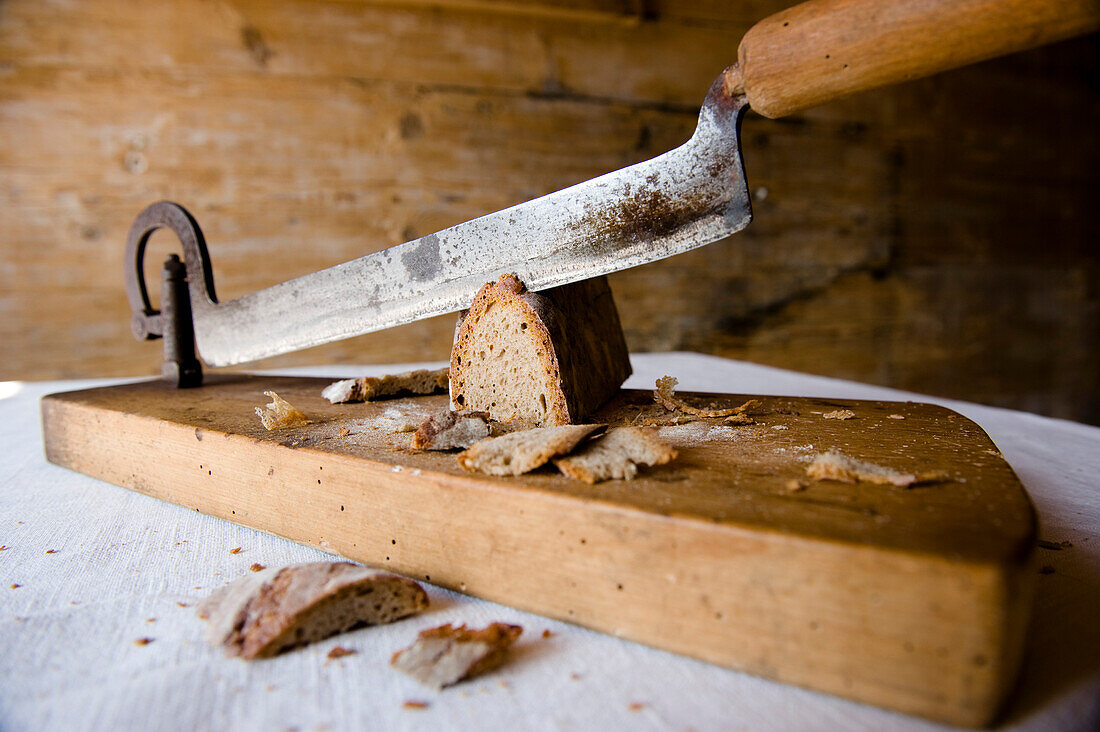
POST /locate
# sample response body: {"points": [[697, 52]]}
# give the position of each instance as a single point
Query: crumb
{"points": [[3, 547], [547, 633], [1046, 569], [257, 567], [143, 641], [744, 418], [340, 651], [575, 676], [183, 604], [150, 620], [371, 388], [235, 551], [794, 486], [15, 586], [503, 684], [834, 466], [344, 432], [895, 416], [51, 551], [839, 414], [414, 704], [446, 655], [269, 687], [279, 414], [1055, 546], [449, 430], [636, 706], [664, 395]]}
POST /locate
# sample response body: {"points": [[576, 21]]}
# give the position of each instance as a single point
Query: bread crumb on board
{"points": [[143, 641], [340, 652], [372, 388], [446, 655], [665, 395], [521, 452], [615, 455], [415, 704], [839, 414], [451, 430], [280, 414], [833, 465], [235, 550], [274, 610]]}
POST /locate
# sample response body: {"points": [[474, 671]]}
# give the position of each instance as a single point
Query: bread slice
{"points": [[616, 455], [445, 655], [265, 613], [520, 452], [547, 358], [370, 388]]}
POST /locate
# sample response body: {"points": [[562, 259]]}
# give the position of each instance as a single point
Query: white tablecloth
{"points": [[99, 567]]}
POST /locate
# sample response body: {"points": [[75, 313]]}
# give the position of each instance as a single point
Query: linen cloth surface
{"points": [[100, 567]]}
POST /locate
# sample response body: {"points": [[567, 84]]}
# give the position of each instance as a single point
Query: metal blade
{"points": [[681, 200]]}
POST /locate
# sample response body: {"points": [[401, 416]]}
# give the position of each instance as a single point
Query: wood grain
{"points": [[914, 600], [895, 238]]}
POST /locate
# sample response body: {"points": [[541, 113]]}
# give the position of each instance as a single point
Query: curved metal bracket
{"points": [[174, 324]]}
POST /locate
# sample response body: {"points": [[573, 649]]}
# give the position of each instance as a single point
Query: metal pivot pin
{"points": [[174, 321]]}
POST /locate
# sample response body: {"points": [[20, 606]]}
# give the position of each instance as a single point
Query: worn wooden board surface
{"points": [[910, 599], [895, 239]]}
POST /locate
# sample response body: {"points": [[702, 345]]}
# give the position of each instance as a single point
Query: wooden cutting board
{"points": [[911, 599]]}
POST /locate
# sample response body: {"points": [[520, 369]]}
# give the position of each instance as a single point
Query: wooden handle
{"points": [[824, 49]]}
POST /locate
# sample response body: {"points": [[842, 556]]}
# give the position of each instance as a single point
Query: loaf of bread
{"points": [[547, 358], [267, 612]]}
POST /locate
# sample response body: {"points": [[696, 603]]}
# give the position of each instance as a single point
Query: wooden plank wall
{"points": [[940, 236]]}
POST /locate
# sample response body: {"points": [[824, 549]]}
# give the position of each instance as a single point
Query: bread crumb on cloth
{"points": [[446, 655]]}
